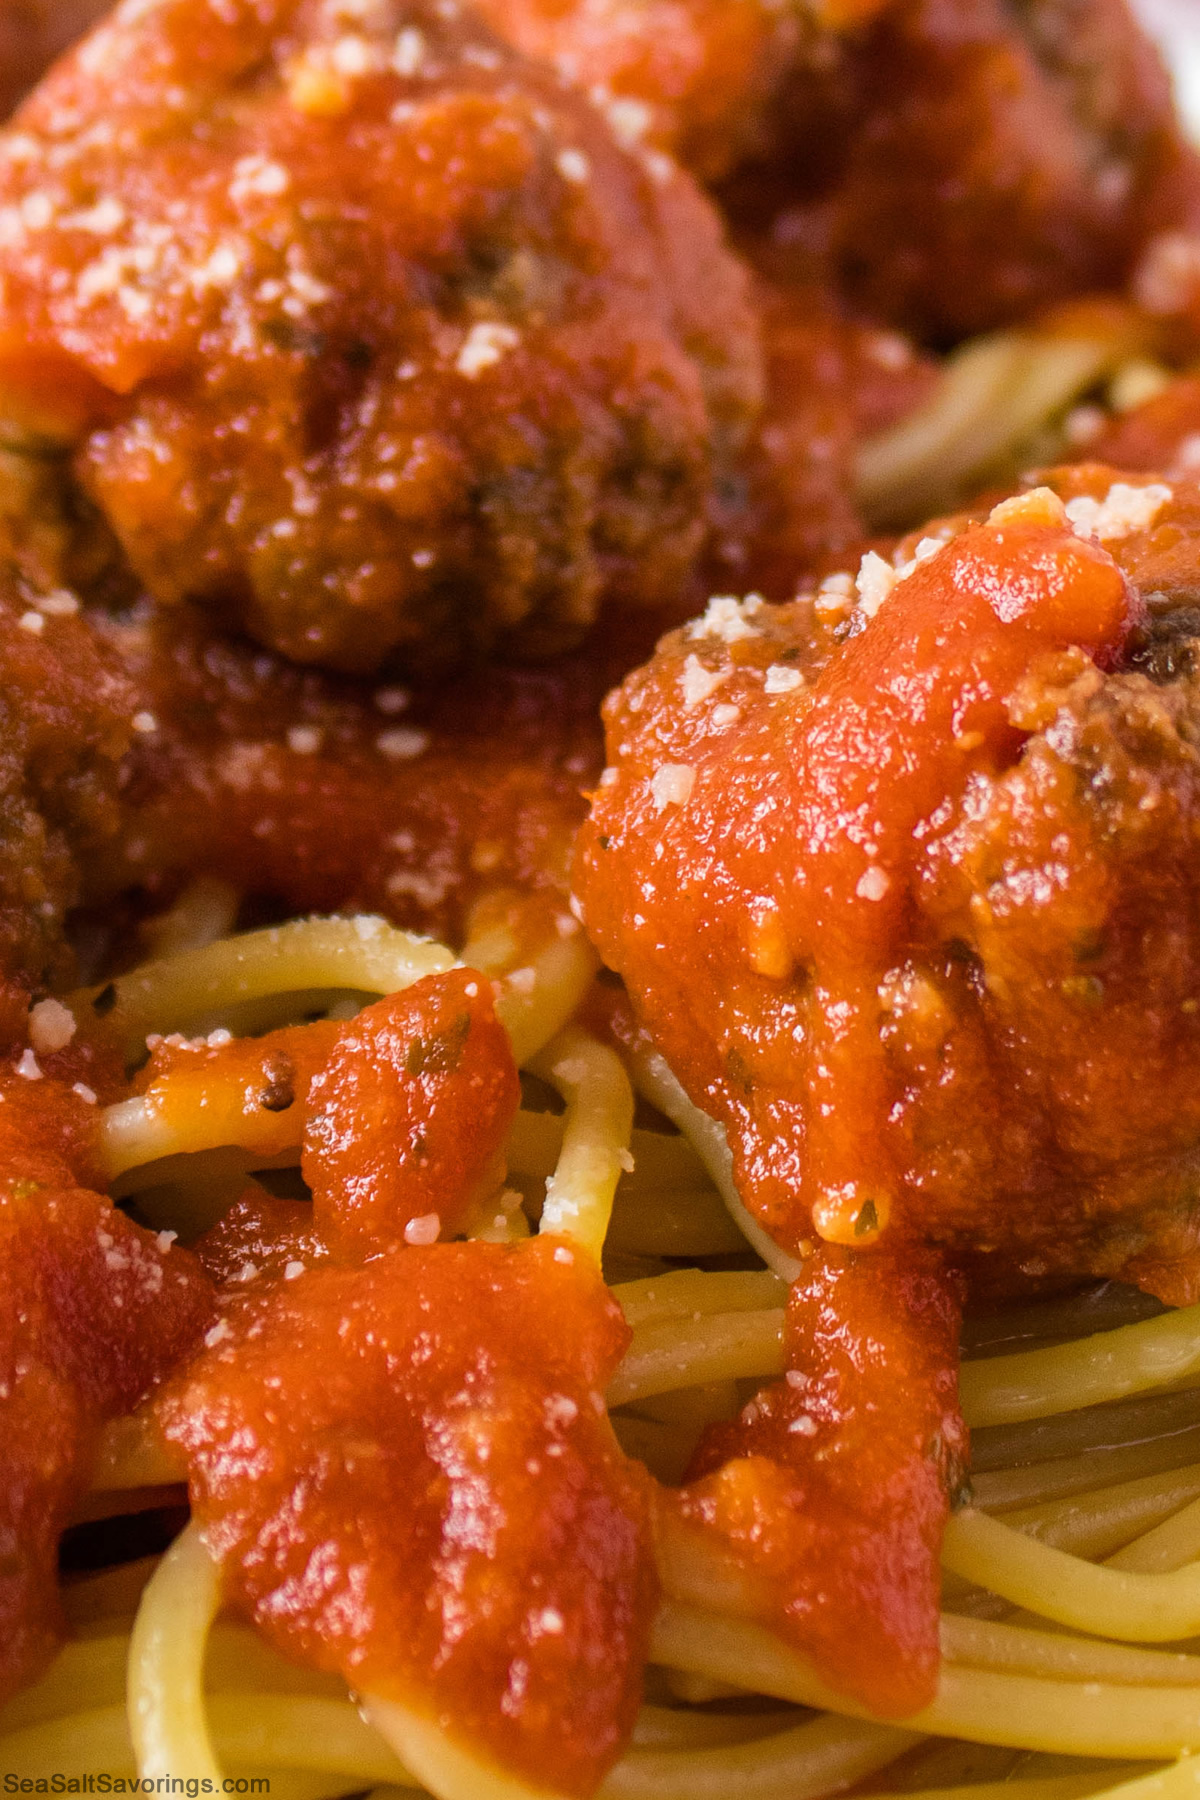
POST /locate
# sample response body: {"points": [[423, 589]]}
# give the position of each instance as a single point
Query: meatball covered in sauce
{"points": [[365, 332], [902, 878], [959, 162], [68, 715], [1047, 135], [696, 77], [950, 163]]}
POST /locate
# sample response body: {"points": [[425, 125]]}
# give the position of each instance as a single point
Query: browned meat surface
{"points": [[369, 336]]}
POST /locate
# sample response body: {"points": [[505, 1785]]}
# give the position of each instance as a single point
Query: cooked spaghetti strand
{"points": [[1079, 1718], [822, 1756], [679, 1353], [167, 1720], [654, 1079], [449, 1770], [363, 954], [1005, 1390], [1111, 1603], [595, 1143]]}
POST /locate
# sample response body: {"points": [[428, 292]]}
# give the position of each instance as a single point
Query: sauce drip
{"points": [[829, 1494]]}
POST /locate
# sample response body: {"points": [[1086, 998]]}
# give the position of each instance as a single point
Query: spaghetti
{"points": [[150, 1684]]}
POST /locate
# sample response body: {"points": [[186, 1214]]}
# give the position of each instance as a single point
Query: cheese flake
{"points": [[1124, 510], [671, 785]]}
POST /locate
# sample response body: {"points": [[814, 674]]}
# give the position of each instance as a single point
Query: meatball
{"points": [[962, 161], [363, 331], [67, 718], [696, 77], [952, 162], [902, 878]]}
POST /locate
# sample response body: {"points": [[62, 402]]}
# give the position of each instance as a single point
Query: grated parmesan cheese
{"points": [[671, 785], [876, 579], [697, 682], [352, 55], [60, 603], [834, 597], [573, 166], [403, 743], [872, 885], [391, 700], [425, 1230], [628, 119], [1124, 509], [304, 740], [102, 219], [485, 344], [51, 1026], [409, 51], [727, 618], [257, 175]]}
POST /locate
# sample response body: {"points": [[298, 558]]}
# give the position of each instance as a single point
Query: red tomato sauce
{"points": [[806, 816], [830, 1492], [410, 1472], [259, 1237], [408, 1118], [310, 793], [93, 1312]]}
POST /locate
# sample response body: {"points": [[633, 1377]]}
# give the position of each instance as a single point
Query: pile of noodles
{"points": [[1072, 1588]]}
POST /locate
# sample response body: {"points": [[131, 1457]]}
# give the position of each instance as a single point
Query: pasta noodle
{"points": [[995, 394], [167, 1720], [595, 1142], [1085, 1450]]}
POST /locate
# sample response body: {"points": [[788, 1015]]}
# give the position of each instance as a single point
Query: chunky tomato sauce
{"points": [[315, 794], [408, 1119], [259, 1236], [829, 1494], [780, 860], [411, 1473], [93, 1312]]}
